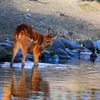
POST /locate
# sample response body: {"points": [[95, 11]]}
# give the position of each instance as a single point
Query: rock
{"points": [[18, 57], [67, 43], [88, 44], [30, 56], [59, 51], [6, 45], [62, 54], [70, 53], [85, 54], [5, 55], [2, 53], [97, 45], [75, 45], [54, 59], [57, 44], [45, 55], [71, 45], [28, 15]]}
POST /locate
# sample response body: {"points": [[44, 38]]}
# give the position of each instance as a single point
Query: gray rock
{"points": [[70, 53], [2, 52], [62, 54], [75, 45], [57, 44], [45, 55], [6, 45], [5, 55], [67, 43], [88, 44], [71, 45], [30, 56], [97, 44], [59, 51], [54, 59], [18, 57]]}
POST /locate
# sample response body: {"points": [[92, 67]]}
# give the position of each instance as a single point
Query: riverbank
{"points": [[72, 19]]}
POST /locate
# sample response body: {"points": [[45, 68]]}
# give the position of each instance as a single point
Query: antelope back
{"points": [[27, 37]]}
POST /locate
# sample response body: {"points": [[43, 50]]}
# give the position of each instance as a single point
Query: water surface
{"points": [[79, 80]]}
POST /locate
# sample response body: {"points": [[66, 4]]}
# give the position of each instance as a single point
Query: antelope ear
{"points": [[48, 31], [55, 36]]}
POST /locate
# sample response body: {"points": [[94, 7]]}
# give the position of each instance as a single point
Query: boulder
{"points": [[97, 45], [45, 56], [88, 44], [54, 59], [6, 45], [71, 45], [67, 43], [62, 54], [57, 44], [5, 55], [75, 45], [30, 56], [70, 53]]}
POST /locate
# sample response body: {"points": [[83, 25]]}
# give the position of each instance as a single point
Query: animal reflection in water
{"points": [[33, 89]]}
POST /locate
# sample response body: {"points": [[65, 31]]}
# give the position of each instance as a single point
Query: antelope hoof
{"points": [[35, 64], [11, 64], [23, 64]]}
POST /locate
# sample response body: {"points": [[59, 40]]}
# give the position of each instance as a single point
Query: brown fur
{"points": [[28, 39]]}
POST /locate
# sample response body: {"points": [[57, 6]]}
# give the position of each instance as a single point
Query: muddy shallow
{"points": [[79, 80]]}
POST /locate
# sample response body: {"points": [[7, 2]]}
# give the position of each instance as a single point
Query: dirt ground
{"points": [[72, 19]]}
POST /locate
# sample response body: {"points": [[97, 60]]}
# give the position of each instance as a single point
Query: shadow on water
{"points": [[35, 88]]}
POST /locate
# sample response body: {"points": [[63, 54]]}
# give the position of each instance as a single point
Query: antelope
{"points": [[26, 38]]}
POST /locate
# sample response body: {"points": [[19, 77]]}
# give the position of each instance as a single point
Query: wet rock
{"points": [[97, 45], [18, 56], [59, 51], [29, 56], [6, 45], [70, 53], [67, 43], [85, 54], [88, 44], [54, 59], [45, 55], [62, 54], [71, 45], [75, 45], [2, 53], [5, 55], [57, 44]]}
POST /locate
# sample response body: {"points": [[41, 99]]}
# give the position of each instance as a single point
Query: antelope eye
{"points": [[47, 41]]}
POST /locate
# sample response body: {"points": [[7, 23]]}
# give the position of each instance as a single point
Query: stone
{"points": [[97, 45], [6, 45], [57, 44], [67, 43], [5, 55], [54, 59], [45, 55], [71, 45], [62, 54], [75, 45], [70, 53], [88, 44]]}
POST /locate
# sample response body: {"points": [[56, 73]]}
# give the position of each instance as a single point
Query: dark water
{"points": [[79, 80]]}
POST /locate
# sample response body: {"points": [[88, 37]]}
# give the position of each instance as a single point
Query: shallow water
{"points": [[79, 80]]}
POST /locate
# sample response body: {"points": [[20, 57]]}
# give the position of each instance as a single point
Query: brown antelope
{"points": [[26, 39]]}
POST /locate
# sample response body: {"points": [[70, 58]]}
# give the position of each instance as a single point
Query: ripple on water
{"points": [[72, 81]]}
